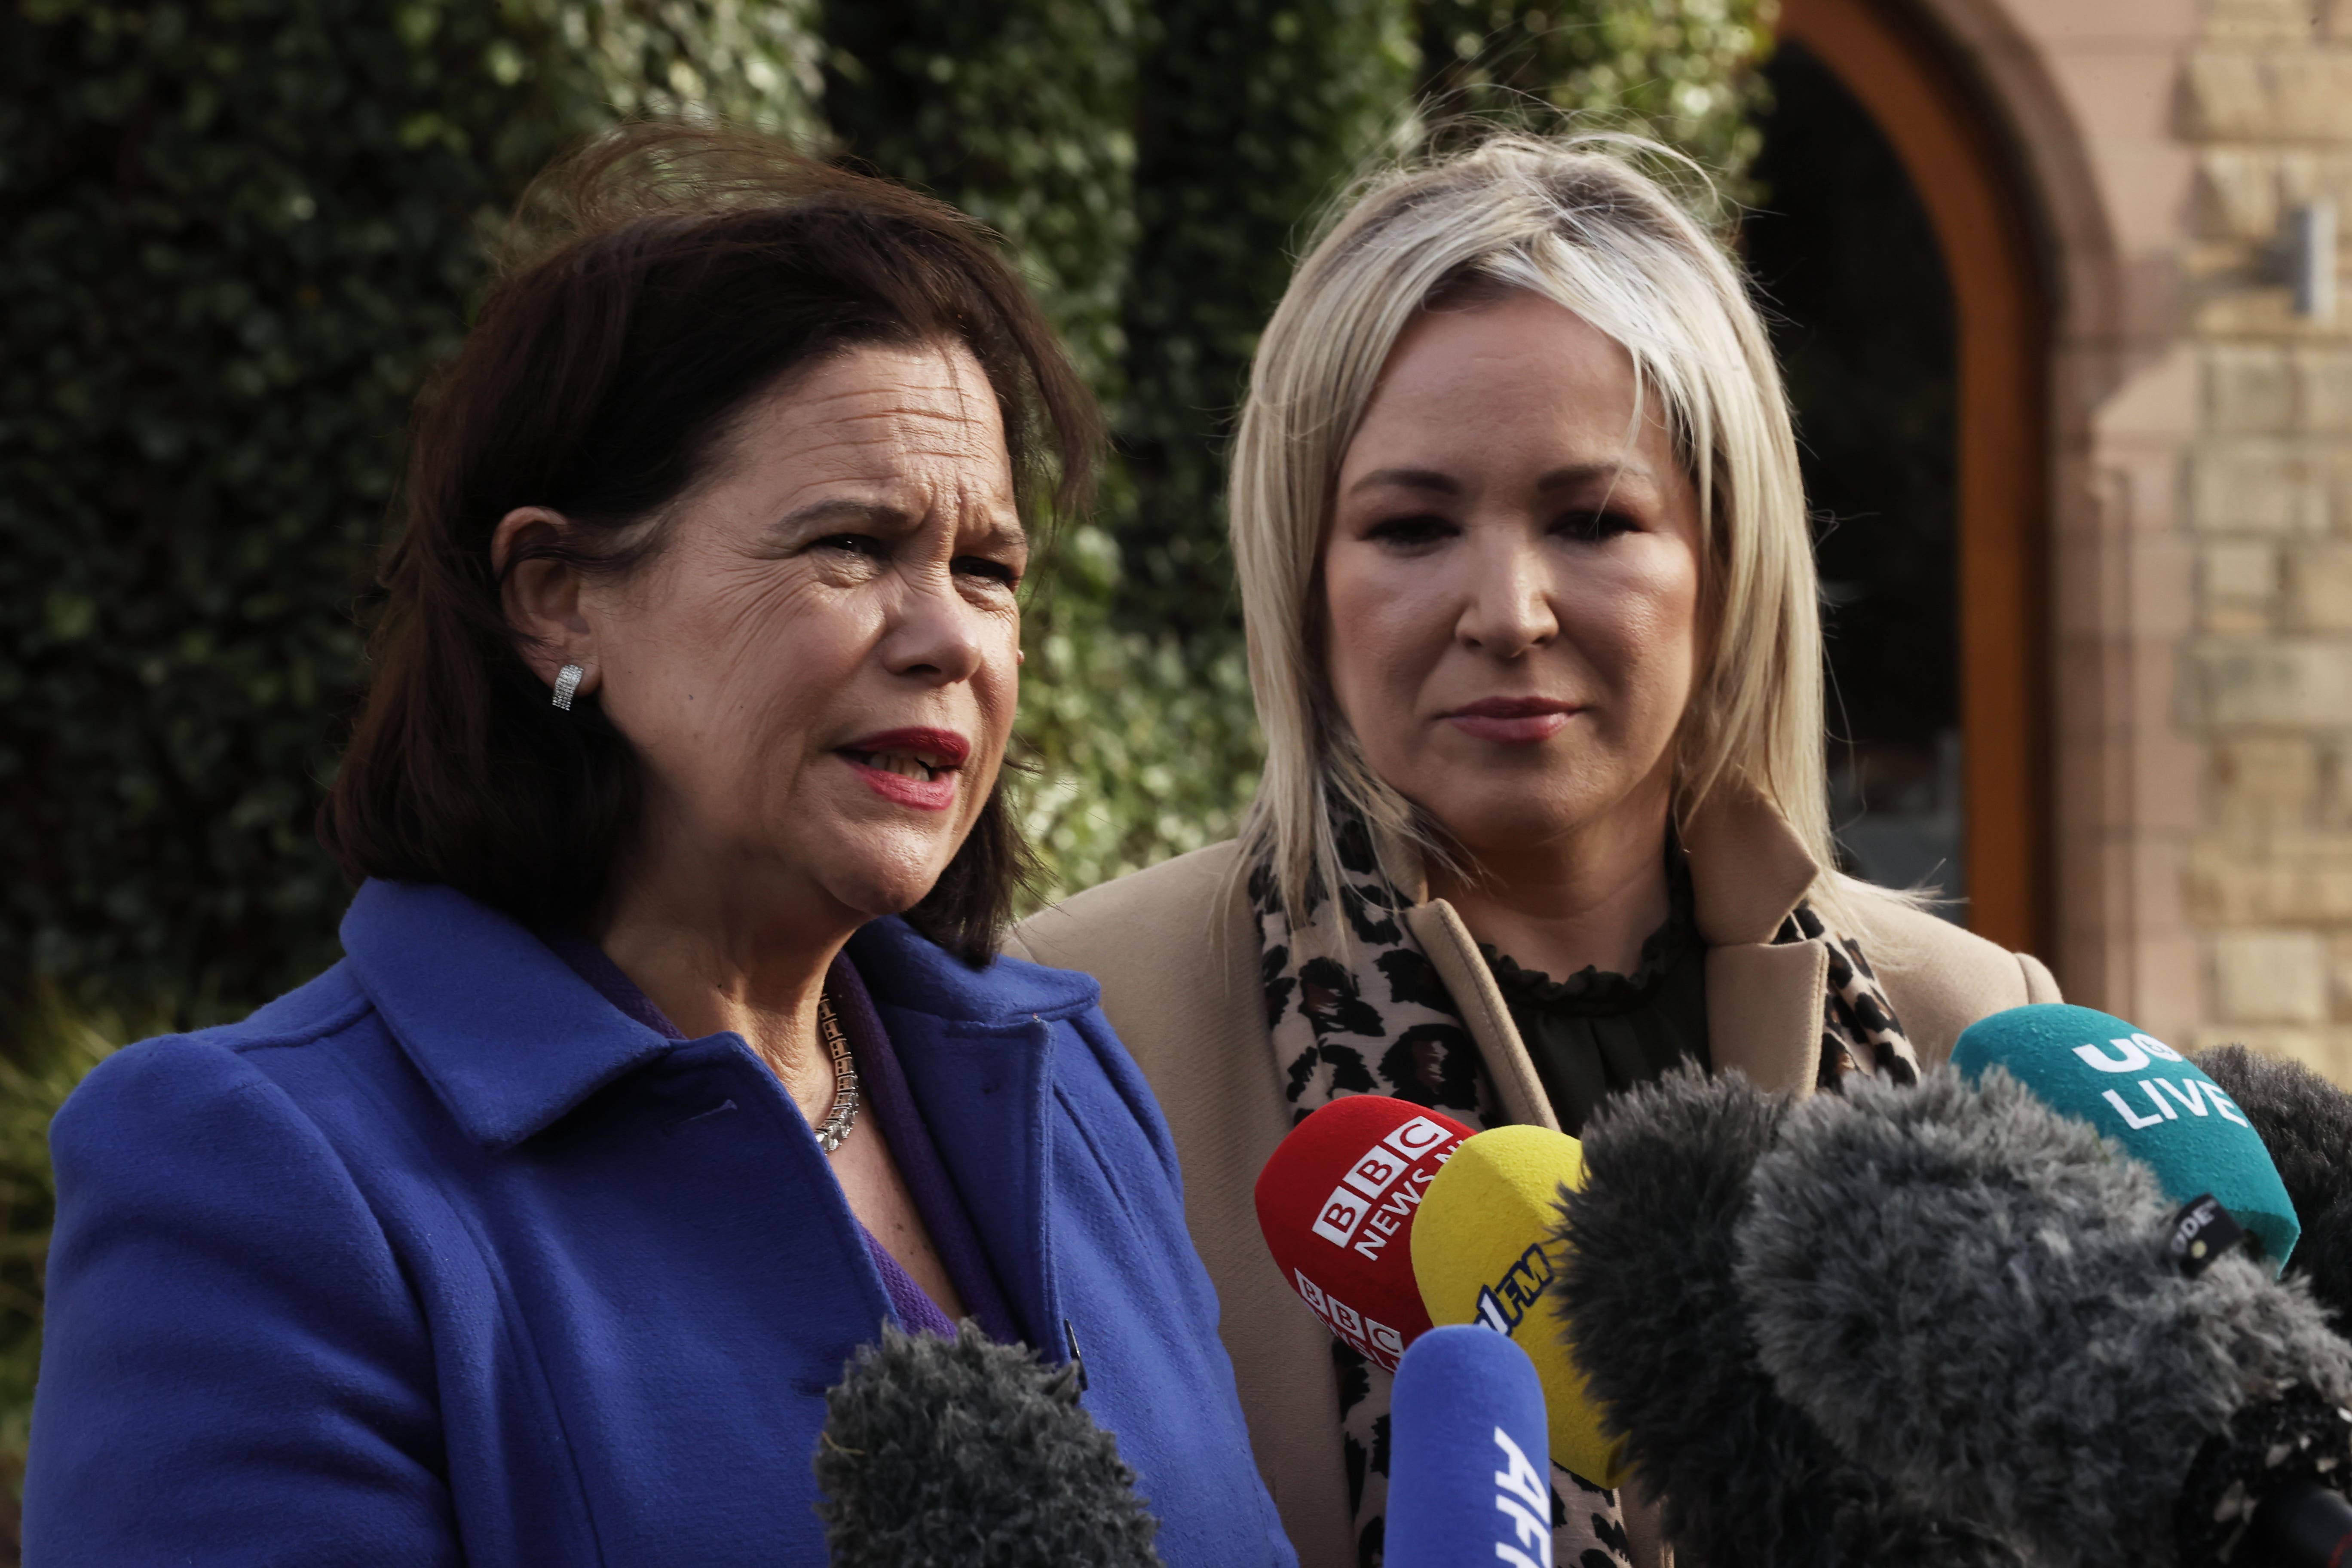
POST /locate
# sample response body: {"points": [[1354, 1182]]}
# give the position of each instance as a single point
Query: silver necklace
{"points": [[845, 1079]]}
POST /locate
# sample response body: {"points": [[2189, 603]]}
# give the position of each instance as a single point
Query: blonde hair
{"points": [[1575, 222]]}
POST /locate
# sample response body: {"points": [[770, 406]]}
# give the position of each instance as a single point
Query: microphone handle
{"points": [[2305, 1525]]}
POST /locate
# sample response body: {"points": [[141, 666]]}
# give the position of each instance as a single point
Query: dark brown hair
{"points": [[658, 280]]}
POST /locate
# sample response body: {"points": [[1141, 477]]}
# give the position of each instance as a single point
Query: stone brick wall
{"points": [[2266, 682]]}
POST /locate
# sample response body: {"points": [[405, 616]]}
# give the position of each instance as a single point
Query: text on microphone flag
{"points": [[1480, 1255], [1525, 1499], [1339, 1191], [1502, 1304], [2137, 1053], [2155, 1104], [1366, 1183], [1470, 1464]]}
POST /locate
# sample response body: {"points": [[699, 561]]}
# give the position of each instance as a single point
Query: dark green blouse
{"points": [[1595, 1033]]}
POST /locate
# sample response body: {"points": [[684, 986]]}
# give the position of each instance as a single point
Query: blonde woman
{"points": [[1532, 611]]}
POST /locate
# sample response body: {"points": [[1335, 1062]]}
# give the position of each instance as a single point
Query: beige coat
{"points": [[1176, 950]]}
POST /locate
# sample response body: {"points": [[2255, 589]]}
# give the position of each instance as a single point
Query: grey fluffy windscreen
{"points": [[967, 1454], [1643, 1262], [1969, 1289]]}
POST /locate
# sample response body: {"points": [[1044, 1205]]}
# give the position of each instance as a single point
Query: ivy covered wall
{"points": [[233, 239]]}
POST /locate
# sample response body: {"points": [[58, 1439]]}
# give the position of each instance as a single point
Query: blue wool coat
{"points": [[441, 1258]]}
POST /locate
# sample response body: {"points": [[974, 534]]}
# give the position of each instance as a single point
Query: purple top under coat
{"points": [[883, 1085]]}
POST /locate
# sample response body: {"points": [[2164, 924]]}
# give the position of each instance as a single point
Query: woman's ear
{"points": [[540, 594]]}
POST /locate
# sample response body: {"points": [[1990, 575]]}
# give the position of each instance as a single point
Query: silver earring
{"points": [[567, 682]]}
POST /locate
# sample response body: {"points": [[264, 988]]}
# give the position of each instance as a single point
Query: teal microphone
{"points": [[2147, 1097]]}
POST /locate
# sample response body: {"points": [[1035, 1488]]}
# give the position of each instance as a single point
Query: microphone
{"points": [[1469, 1475], [2152, 1101], [1336, 1203], [1966, 1291], [967, 1451], [2306, 1122], [1643, 1263], [1478, 1253]]}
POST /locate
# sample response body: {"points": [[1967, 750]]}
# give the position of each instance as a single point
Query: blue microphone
{"points": [[1469, 1458], [2147, 1097]]}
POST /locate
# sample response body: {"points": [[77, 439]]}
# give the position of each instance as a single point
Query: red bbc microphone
{"points": [[1336, 1203]]}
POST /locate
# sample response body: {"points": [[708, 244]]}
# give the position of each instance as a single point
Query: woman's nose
{"points": [[936, 634], [1508, 606]]}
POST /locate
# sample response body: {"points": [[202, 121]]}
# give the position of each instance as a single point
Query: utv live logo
{"points": [[2166, 1099]]}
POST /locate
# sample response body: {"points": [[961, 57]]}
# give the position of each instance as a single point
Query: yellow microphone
{"points": [[1478, 1256]]}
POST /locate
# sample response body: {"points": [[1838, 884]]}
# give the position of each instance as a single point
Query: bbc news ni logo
{"points": [[1380, 1191], [1368, 1335]]}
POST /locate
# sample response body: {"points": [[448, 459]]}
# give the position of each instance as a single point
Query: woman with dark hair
{"points": [[667, 1063]]}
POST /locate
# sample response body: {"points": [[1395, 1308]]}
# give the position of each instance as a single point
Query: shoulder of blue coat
{"points": [[173, 1078], [309, 1014], [906, 969], [326, 1006]]}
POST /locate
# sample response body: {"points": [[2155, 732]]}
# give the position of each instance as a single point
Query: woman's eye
{"points": [[1425, 529], [1590, 526], [863, 545], [995, 571]]}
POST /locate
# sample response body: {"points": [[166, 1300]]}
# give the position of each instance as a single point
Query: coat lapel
{"points": [[977, 1047], [984, 1093], [1748, 869], [1764, 1013], [510, 1039], [1764, 1000], [1454, 953]]}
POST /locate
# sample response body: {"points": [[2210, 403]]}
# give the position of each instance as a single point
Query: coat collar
{"points": [[511, 1039], [1748, 869], [906, 970], [507, 1035]]}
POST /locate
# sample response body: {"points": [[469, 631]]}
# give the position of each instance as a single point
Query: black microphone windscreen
{"points": [[2306, 1122], [967, 1453], [1645, 1262]]}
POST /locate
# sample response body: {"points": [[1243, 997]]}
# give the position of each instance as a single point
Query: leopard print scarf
{"points": [[1371, 1015]]}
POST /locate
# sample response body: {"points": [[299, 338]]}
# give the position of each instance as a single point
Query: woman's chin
{"points": [[884, 879], [1488, 828]]}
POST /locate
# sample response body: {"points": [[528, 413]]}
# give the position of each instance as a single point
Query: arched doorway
{"points": [[1860, 308], [1977, 208]]}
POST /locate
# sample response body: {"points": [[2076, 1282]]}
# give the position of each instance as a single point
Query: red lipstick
{"points": [[913, 767], [1514, 720]]}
